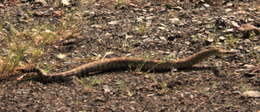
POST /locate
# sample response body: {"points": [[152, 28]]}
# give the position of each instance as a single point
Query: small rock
{"points": [[249, 66], [96, 26], [107, 89], [162, 28], [202, 8], [236, 92], [206, 5], [178, 8], [222, 38], [235, 24], [150, 17], [61, 56], [187, 43], [250, 20], [229, 4], [228, 10], [163, 38], [210, 40], [147, 39], [88, 13], [254, 94], [229, 30], [113, 22], [65, 2], [175, 20], [128, 36], [140, 19]]}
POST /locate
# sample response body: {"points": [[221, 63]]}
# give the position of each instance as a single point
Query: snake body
{"points": [[133, 63]]}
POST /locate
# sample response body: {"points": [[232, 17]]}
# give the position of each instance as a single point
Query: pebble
{"points": [[255, 94], [222, 38]]}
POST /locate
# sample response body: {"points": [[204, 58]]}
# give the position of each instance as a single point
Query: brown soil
{"points": [[149, 29]]}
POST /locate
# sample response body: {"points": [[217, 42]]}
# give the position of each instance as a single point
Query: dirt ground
{"points": [[88, 30]]}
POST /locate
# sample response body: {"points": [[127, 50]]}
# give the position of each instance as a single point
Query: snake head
{"points": [[222, 52]]}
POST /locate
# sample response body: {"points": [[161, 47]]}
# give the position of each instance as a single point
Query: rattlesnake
{"points": [[130, 63]]}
